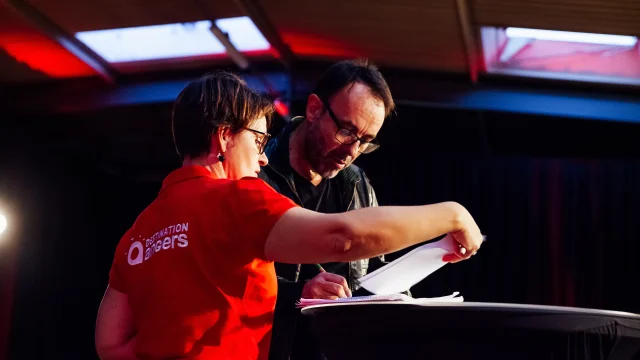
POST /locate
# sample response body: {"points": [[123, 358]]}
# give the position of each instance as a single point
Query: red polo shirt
{"points": [[194, 269]]}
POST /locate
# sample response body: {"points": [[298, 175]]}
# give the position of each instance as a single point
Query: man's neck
{"points": [[297, 157]]}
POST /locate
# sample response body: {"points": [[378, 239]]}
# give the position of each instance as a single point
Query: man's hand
{"points": [[468, 237], [326, 286]]}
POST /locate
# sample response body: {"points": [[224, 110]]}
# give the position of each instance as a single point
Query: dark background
{"points": [[557, 198]]}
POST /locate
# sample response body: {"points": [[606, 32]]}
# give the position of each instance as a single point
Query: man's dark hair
{"points": [[213, 101], [348, 72]]}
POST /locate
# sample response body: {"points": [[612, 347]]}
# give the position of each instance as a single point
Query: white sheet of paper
{"points": [[408, 270], [453, 298]]}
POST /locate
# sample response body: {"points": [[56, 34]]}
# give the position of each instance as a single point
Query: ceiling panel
{"points": [[405, 33], [82, 15], [594, 16], [412, 34]]}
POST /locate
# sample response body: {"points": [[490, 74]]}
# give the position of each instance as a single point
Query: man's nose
{"points": [[353, 149]]}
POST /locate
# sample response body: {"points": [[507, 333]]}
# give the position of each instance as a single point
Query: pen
{"points": [[320, 268]]}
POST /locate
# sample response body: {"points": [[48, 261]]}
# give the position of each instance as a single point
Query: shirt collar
{"points": [[186, 173]]}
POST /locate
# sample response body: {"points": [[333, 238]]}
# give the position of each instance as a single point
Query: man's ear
{"points": [[315, 108]]}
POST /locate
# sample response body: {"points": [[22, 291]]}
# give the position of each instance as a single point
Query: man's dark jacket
{"points": [[356, 193]]}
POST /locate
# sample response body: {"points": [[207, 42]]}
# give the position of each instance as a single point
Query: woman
{"points": [[194, 276]]}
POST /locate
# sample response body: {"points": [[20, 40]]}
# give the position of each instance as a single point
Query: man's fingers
{"points": [[321, 294], [333, 278], [326, 286], [333, 288], [337, 279], [345, 287]]}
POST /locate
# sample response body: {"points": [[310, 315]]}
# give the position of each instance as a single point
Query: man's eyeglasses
{"points": [[346, 137], [261, 141]]}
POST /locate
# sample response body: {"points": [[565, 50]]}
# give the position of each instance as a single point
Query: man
{"points": [[311, 163]]}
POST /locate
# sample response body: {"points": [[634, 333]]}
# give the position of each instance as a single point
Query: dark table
{"points": [[473, 331]]}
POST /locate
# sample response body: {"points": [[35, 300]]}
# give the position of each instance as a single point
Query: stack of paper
{"points": [[381, 299], [401, 274]]}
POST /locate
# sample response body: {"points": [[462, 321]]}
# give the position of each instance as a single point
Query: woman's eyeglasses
{"points": [[262, 139]]}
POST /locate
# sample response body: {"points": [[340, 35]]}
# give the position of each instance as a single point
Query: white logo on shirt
{"points": [[138, 259], [168, 238]]}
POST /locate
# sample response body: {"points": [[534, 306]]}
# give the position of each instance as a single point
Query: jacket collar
{"points": [[278, 149]]}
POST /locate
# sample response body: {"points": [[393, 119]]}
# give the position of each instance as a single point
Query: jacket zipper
{"points": [[355, 189]]}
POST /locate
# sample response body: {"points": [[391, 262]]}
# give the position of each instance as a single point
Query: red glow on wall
{"points": [[44, 55], [314, 45]]}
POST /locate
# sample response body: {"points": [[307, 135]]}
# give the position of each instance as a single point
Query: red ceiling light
{"points": [[307, 44], [281, 108]]}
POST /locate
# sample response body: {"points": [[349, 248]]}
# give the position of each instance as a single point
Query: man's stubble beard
{"points": [[316, 159]]}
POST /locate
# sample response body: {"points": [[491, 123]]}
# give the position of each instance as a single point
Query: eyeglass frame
{"points": [[262, 144], [356, 138]]}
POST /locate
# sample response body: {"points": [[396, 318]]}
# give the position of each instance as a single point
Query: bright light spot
{"points": [[243, 33], [172, 40], [567, 36], [153, 42], [3, 223]]}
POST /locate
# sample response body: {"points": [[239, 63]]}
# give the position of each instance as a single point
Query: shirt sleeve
{"points": [[257, 207], [115, 277]]}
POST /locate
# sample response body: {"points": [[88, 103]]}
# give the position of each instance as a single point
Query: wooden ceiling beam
{"points": [[259, 18], [471, 47]]}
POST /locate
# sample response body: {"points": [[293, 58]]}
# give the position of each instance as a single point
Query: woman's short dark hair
{"points": [[348, 72], [215, 100]]}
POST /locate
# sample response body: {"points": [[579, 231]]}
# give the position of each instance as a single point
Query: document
{"points": [[397, 298], [401, 274]]}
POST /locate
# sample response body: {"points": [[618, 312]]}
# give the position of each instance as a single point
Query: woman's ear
{"points": [[220, 141]]}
